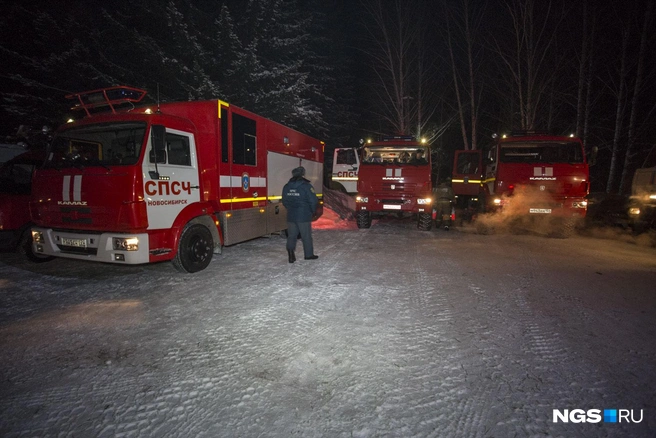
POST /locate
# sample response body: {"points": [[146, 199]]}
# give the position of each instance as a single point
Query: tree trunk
{"points": [[588, 84], [628, 156], [472, 91], [619, 114], [456, 85], [582, 72]]}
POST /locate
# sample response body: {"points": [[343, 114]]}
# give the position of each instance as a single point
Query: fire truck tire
{"points": [[195, 249], [568, 229], [25, 248], [363, 218], [425, 221]]}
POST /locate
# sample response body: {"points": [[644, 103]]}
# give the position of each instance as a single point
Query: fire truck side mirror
{"points": [[158, 151]]}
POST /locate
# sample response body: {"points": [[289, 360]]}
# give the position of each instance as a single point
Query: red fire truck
{"points": [[176, 181], [394, 177], [527, 175]]}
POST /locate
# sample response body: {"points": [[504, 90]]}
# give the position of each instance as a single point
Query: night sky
{"points": [[316, 66]]}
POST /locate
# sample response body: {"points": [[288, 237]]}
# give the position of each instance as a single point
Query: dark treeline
{"points": [[281, 59], [455, 71]]}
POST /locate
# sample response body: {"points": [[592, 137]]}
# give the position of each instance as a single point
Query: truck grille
{"points": [[396, 187], [75, 250]]}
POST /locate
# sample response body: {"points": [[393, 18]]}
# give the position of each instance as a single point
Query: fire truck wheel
{"points": [[363, 219], [25, 248], [424, 222], [567, 229], [195, 249]]}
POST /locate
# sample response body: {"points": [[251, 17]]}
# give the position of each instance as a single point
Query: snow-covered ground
{"points": [[391, 332]]}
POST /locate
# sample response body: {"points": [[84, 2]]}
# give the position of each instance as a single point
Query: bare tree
{"points": [[404, 94], [464, 23], [583, 65], [620, 109], [629, 155], [587, 107], [526, 60]]}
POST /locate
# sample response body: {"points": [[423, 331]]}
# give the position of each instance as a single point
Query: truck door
{"points": [[170, 177], [467, 174], [345, 170]]}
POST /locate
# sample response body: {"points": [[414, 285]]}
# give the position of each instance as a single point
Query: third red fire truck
{"points": [[528, 175], [175, 181]]}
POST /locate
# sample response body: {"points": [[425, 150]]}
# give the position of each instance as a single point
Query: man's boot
{"points": [[292, 257]]}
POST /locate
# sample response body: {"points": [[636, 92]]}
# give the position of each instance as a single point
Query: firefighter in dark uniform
{"points": [[301, 202], [443, 204]]}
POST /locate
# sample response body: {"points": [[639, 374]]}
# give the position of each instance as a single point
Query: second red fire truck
{"points": [[175, 181], [394, 178]]}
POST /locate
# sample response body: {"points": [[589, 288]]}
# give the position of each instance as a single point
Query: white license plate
{"points": [[540, 210], [391, 207], [78, 243]]}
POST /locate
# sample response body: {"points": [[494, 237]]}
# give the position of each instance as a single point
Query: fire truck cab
{"points": [[346, 164], [394, 178], [175, 181]]}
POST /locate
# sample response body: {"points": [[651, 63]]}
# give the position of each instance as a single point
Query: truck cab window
{"points": [[467, 163], [177, 148], [111, 144], [346, 156]]}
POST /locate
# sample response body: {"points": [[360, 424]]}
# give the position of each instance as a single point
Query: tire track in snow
{"points": [[455, 355], [423, 341], [548, 366], [463, 407], [267, 345]]}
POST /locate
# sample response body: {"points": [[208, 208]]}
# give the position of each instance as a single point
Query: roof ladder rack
{"points": [[111, 97]]}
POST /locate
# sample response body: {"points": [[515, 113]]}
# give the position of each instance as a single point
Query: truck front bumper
{"points": [[100, 247], [382, 204]]}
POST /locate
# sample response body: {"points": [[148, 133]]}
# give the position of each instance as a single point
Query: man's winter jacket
{"points": [[299, 199]]}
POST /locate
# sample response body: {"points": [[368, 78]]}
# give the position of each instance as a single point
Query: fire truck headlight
{"points": [[37, 237], [652, 196], [424, 201], [634, 211], [497, 201], [126, 243], [363, 199], [580, 204]]}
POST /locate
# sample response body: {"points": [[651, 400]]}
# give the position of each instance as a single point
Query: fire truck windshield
{"points": [[396, 154], [115, 144], [541, 152]]}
